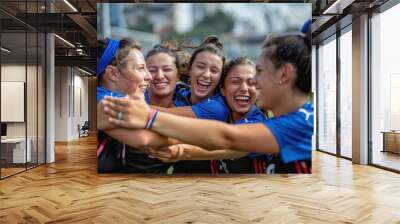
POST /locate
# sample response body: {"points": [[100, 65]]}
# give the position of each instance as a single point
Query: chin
{"points": [[202, 95]]}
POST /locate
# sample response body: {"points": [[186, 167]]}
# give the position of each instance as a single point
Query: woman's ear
{"points": [[287, 74], [111, 73]]}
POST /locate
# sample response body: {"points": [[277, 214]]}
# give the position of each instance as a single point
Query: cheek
{"points": [[229, 92], [215, 78], [253, 92], [172, 77]]}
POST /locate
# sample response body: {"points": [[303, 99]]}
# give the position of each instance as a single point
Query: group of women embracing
{"points": [[150, 121]]}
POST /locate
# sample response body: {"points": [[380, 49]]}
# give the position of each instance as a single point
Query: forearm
{"points": [[198, 153], [139, 138], [181, 111], [208, 134], [214, 135]]}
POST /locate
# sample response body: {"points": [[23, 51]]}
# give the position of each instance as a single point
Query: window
{"points": [[327, 96], [385, 88], [346, 94]]}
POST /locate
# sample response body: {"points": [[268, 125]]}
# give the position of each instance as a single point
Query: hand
{"points": [[134, 109], [102, 119], [170, 154]]}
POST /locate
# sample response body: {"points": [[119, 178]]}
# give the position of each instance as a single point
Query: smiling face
{"points": [[239, 92], [164, 73], [205, 74], [134, 74]]}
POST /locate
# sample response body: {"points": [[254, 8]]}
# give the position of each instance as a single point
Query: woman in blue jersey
{"points": [[283, 78], [163, 65], [204, 69], [203, 97], [121, 71]]}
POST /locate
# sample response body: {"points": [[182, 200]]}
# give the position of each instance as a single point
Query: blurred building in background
{"points": [[241, 27]]}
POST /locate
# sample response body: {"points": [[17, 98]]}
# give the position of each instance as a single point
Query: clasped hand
{"points": [[127, 112]]}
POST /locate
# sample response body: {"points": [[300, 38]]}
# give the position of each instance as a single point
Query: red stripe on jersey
{"points": [[298, 168], [101, 147], [305, 167]]}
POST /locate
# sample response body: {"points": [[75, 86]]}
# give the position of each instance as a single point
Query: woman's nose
{"points": [[147, 76]]}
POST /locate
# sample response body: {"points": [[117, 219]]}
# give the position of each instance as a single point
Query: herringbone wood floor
{"points": [[71, 191]]}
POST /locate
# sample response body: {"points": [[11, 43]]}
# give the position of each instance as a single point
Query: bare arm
{"points": [[140, 138], [208, 134], [217, 135], [134, 138], [190, 152], [181, 111]]}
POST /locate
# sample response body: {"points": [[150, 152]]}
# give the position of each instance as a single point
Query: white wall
{"points": [[33, 127], [71, 94]]}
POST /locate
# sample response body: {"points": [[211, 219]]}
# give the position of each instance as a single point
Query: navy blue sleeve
{"points": [[213, 108]]}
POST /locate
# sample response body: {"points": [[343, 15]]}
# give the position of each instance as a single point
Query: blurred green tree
{"points": [[144, 25], [217, 23]]}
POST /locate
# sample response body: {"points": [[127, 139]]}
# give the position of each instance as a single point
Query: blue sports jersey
{"points": [[213, 108], [293, 133], [178, 99], [254, 116], [102, 92]]}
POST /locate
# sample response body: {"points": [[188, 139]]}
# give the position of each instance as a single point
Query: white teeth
{"points": [[203, 83], [242, 98], [160, 85]]}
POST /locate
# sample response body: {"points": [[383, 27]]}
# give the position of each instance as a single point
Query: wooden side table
{"points": [[391, 141]]}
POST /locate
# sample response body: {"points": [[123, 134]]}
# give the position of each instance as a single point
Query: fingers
{"points": [[110, 112], [164, 157], [161, 153], [109, 105], [122, 101], [119, 123]]}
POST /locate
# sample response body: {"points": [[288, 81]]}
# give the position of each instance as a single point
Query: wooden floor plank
{"points": [[71, 191]]}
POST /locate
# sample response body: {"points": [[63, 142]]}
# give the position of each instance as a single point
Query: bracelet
{"points": [[151, 119]]}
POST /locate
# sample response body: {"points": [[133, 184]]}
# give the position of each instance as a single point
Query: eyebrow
{"points": [[200, 62]]}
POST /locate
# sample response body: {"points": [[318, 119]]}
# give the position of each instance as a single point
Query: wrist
{"points": [[151, 118]]}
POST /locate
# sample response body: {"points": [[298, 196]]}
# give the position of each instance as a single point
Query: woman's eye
{"points": [[168, 70], [235, 81], [200, 66]]}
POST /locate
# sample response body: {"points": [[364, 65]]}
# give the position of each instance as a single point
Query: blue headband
{"points": [[306, 26], [107, 56]]}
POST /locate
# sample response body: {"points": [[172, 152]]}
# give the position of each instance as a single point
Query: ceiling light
{"points": [[332, 8], [337, 7], [65, 41], [70, 5], [5, 49]]}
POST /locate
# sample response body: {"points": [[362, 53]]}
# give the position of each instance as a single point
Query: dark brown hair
{"points": [[125, 46], [294, 49], [231, 64], [211, 44]]}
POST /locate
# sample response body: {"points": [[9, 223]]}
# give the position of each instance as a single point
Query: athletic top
{"points": [[293, 133], [102, 92], [178, 99]]}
